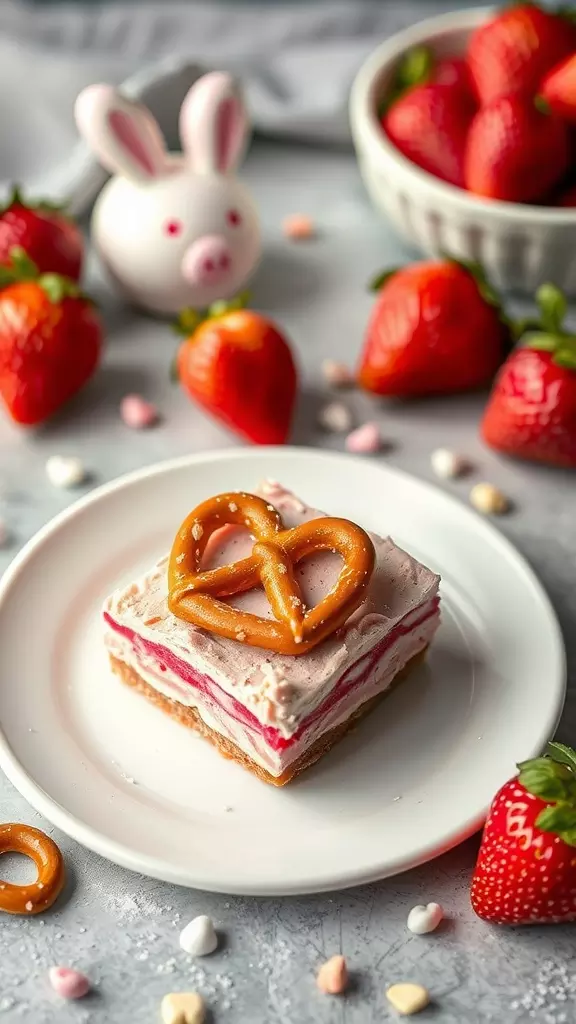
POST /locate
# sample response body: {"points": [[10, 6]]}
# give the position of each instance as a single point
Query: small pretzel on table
{"points": [[193, 593], [41, 894]]}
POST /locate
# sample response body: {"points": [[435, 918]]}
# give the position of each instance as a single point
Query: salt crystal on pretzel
{"points": [[193, 593]]}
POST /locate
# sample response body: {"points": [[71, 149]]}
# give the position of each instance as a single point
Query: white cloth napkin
{"points": [[297, 63]]}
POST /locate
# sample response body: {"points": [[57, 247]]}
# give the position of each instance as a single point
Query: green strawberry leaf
{"points": [[553, 307], [557, 818], [380, 279], [414, 68], [565, 356], [15, 198], [541, 341], [524, 326], [561, 753], [58, 288], [547, 779], [568, 836], [223, 306], [188, 320]]}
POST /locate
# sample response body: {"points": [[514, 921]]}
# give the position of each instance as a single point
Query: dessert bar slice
{"points": [[275, 714]]}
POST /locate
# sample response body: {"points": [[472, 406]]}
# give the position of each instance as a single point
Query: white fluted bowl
{"points": [[520, 246]]}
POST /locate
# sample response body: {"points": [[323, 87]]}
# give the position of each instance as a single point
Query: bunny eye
{"points": [[173, 228], [233, 218]]}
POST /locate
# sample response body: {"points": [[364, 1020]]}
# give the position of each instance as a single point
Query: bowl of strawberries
{"points": [[465, 130]]}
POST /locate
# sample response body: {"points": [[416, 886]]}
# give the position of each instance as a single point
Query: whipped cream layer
{"points": [[275, 706]]}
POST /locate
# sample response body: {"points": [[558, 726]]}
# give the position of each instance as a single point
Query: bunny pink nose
{"points": [[207, 261]]}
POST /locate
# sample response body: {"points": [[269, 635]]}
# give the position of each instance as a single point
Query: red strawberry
{"points": [[514, 151], [435, 328], [50, 339], [50, 239], [429, 125], [526, 868], [239, 367], [559, 89], [513, 51], [454, 71], [531, 412]]}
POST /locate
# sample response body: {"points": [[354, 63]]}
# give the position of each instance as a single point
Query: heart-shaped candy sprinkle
{"points": [[408, 998], [68, 983], [422, 920], [182, 1008], [199, 937], [332, 978]]}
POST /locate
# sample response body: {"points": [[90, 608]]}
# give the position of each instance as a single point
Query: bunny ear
{"points": [[123, 134], [214, 124]]}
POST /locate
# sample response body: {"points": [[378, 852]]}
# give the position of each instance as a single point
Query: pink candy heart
{"points": [[137, 413], [364, 439], [68, 983]]}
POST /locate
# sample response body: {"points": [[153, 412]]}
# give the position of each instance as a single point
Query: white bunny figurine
{"points": [[173, 229]]}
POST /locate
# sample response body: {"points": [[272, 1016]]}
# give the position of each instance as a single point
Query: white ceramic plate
{"points": [[413, 780]]}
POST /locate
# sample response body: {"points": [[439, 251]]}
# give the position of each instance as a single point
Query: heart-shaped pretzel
{"points": [[193, 594]]}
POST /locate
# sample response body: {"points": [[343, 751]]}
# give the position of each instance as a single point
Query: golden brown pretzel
{"points": [[193, 594], [41, 894]]}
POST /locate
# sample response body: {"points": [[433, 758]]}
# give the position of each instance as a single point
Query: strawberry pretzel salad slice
{"points": [[272, 628]]}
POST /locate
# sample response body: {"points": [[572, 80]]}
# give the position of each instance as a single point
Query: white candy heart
{"points": [[182, 1008], [448, 464], [335, 417], [422, 920], [199, 937], [63, 471], [408, 998]]}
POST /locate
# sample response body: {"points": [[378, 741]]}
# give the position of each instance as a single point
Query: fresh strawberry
{"points": [[238, 366], [51, 239], [429, 125], [511, 52], [435, 328], [454, 71], [558, 89], [514, 151], [526, 868], [531, 412], [50, 340]]}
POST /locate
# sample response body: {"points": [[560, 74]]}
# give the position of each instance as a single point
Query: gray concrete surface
{"points": [[123, 929]]}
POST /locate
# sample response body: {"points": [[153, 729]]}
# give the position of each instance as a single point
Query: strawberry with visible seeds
{"points": [[427, 112], [531, 413], [239, 367], [436, 327], [526, 867], [558, 89], [50, 340], [51, 240], [514, 151], [429, 125], [512, 51]]}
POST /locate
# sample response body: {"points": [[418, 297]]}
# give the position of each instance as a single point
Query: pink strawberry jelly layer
{"points": [[228, 704]]}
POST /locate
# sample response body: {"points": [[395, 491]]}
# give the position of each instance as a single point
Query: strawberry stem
{"points": [[22, 268], [553, 778], [414, 68], [380, 279], [189, 319], [16, 198], [547, 334]]}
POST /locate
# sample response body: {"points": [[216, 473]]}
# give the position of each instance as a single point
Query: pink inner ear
{"points": [[123, 128], [228, 128]]}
